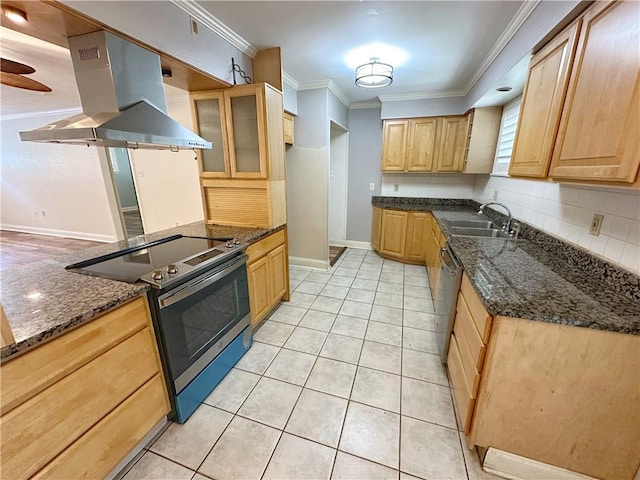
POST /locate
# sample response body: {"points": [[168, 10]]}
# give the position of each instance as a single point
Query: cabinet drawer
{"points": [[469, 363], [472, 339], [479, 315], [264, 246], [29, 374], [39, 429], [95, 453], [464, 401]]}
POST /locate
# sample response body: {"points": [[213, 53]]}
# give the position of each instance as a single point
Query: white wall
{"points": [[442, 185], [168, 183], [566, 212], [64, 181]]}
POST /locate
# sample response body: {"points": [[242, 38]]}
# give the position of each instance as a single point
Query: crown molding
{"points": [[329, 84], [514, 25], [289, 80], [42, 113], [398, 97], [190, 7], [363, 105]]}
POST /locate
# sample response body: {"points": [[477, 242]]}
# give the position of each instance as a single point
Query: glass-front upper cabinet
{"points": [[245, 107], [210, 121], [234, 121]]}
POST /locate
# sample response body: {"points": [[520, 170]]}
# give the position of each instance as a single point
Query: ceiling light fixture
{"points": [[374, 74], [15, 15]]}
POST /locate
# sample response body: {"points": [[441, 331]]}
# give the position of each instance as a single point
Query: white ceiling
{"points": [[447, 45], [446, 42]]}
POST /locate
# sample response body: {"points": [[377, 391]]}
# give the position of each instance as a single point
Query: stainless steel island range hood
{"points": [[123, 101]]}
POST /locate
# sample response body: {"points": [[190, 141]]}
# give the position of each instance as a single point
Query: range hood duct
{"points": [[122, 96]]}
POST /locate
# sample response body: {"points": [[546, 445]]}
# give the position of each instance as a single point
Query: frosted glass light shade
{"points": [[374, 74]]}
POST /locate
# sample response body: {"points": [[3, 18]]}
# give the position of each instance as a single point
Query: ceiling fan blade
{"points": [[18, 81], [9, 66]]}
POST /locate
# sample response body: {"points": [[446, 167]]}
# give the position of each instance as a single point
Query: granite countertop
{"points": [[42, 299], [520, 278]]}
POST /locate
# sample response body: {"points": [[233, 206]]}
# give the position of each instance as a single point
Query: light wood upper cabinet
{"points": [[542, 100], [598, 136], [288, 128], [394, 145], [442, 144], [451, 146], [209, 117], [394, 233], [246, 130], [422, 144], [243, 177]]}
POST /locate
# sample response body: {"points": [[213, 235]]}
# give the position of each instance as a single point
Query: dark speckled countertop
{"points": [[42, 299], [523, 279]]}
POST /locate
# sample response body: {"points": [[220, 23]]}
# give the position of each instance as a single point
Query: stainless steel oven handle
{"points": [[444, 264], [205, 282]]}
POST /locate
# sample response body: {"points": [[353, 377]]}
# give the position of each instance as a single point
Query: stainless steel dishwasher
{"points": [[448, 285]]}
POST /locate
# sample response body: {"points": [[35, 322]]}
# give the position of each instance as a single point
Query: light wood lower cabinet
{"points": [[59, 400], [267, 274], [558, 394], [394, 233], [402, 236]]}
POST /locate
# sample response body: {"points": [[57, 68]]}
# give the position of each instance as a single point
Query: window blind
{"points": [[506, 136]]}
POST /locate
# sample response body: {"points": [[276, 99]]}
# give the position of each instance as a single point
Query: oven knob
{"points": [[157, 275], [236, 241], [230, 244], [172, 269]]}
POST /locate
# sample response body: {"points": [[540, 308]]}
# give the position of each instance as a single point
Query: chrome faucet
{"points": [[507, 226]]}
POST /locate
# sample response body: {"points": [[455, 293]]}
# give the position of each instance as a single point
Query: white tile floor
{"points": [[342, 382]]}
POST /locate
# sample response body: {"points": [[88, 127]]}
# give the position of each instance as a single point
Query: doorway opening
{"points": [[338, 170], [125, 189]]}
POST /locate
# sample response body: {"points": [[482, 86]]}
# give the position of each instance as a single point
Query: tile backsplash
{"points": [[566, 211]]}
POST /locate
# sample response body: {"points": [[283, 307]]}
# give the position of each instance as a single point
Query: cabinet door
{"points": [[418, 231], [209, 118], [247, 128], [288, 128], [258, 280], [277, 274], [451, 145], [394, 145], [542, 100], [376, 224], [394, 232], [422, 144], [598, 136]]}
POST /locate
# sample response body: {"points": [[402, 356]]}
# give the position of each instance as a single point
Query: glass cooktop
{"points": [[131, 264]]}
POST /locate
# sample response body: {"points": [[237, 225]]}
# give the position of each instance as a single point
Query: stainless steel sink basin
{"points": [[470, 223], [478, 232]]}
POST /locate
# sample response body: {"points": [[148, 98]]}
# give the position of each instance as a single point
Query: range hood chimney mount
{"points": [[123, 101]]}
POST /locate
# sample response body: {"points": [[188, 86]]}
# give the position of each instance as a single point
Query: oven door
{"points": [[198, 319]]}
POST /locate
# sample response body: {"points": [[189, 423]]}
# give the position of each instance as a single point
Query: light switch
{"points": [[372, 186]]}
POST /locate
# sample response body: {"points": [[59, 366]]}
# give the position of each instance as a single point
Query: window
{"points": [[506, 137]]}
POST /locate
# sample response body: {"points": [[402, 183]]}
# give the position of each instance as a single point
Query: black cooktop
{"points": [[131, 264]]}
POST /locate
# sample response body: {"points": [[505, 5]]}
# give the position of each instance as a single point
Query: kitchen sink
{"points": [[478, 232], [470, 223]]}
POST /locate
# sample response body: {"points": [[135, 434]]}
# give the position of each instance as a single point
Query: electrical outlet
{"points": [[596, 224], [372, 186], [194, 27], [493, 195], [396, 187], [141, 173]]}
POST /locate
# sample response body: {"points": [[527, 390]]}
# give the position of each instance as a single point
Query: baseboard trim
{"points": [[129, 209], [516, 467], [59, 233], [309, 262], [351, 244]]}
